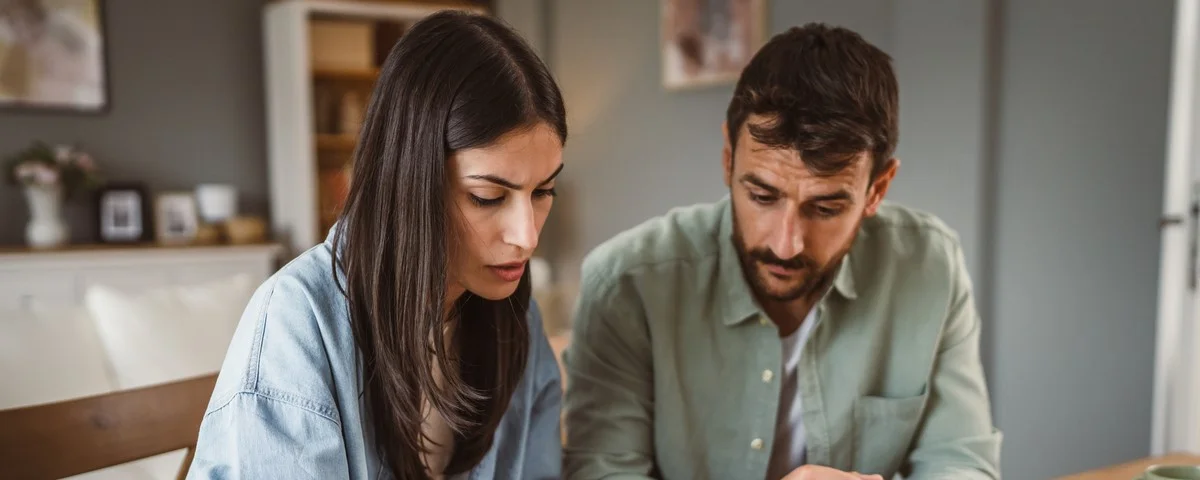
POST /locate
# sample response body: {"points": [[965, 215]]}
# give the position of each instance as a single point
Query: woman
{"points": [[423, 357]]}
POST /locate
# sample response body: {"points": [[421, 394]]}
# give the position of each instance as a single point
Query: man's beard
{"points": [[815, 278]]}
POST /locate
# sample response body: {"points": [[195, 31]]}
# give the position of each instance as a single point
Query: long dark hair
{"points": [[454, 81]]}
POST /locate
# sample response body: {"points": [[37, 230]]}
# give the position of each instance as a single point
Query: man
{"points": [[800, 328]]}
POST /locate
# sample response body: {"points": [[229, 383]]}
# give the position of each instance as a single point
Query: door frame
{"points": [[1176, 317]]}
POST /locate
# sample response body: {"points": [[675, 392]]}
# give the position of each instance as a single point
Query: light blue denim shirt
{"points": [[288, 401]]}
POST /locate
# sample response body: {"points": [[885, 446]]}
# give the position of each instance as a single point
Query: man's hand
{"points": [[816, 472]]}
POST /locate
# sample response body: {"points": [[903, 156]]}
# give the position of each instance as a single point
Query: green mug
{"points": [[1172, 472]]}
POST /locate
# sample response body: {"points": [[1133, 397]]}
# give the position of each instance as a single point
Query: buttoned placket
{"points": [[816, 427], [765, 379]]}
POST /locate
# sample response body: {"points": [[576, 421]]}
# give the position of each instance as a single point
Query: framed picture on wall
{"points": [[52, 55], [709, 42], [124, 216]]}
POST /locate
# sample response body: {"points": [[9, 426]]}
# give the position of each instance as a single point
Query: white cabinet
{"points": [[21, 291], [60, 278]]}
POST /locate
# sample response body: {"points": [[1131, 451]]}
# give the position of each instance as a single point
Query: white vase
{"points": [[46, 228]]}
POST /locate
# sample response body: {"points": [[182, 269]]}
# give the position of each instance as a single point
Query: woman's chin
{"points": [[494, 292]]}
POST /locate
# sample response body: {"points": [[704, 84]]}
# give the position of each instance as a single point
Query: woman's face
{"points": [[502, 194]]}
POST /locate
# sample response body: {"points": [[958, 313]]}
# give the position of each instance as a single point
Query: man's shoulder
{"points": [[682, 234], [904, 238], [897, 220]]}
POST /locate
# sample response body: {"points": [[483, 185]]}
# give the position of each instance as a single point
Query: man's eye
{"points": [[827, 212], [762, 199]]}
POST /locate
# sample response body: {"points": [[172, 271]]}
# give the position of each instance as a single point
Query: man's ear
{"points": [[879, 186], [726, 155]]}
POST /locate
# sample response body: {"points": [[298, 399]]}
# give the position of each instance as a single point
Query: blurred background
{"points": [[217, 134]]}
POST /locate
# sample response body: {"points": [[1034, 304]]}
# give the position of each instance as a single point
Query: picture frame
{"points": [[54, 56], [176, 220], [123, 213], [706, 43]]}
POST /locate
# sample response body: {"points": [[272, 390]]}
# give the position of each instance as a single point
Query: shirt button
{"points": [[768, 375], [756, 444], [762, 320]]}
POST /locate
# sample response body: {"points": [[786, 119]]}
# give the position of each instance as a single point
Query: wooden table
{"points": [[1129, 471]]}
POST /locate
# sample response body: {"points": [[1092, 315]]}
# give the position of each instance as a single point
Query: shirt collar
{"points": [[735, 301], [330, 234]]}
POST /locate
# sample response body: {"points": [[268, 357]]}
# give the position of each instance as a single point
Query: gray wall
{"points": [[1082, 132], [1036, 129], [527, 17], [186, 107], [634, 149]]}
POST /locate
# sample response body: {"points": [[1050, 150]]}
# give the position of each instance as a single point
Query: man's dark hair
{"points": [[828, 93]]}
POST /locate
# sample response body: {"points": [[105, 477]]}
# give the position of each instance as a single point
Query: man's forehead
{"points": [[790, 163]]}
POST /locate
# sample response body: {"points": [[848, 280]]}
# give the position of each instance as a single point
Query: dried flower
{"points": [[85, 162], [43, 165], [62, 153], [26, 172], [45, 175]]}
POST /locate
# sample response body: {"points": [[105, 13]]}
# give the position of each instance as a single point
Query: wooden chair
{"points": [[68, 438]]}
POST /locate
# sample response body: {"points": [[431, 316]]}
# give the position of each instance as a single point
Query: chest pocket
{"points": [[884, 428]]}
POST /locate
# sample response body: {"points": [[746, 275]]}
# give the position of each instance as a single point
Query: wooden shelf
{"points": [[336, 142], [346, 75], [139, 247]]}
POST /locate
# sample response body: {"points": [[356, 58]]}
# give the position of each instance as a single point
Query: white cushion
{"points": [[158, 467], [168, 333], [49, 356], [162, 467], [125, 471]]}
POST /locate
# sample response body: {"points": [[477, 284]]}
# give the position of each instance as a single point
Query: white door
{"points": [[1176, 412]]}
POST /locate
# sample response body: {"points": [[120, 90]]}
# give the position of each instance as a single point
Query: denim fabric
{"points": [[288, 401]]}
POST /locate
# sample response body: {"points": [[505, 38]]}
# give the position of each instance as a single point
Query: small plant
{"points": [[41, 165]]}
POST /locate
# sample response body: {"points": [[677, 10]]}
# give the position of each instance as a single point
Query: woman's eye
{"points": [[545, 192], [486, 202]]}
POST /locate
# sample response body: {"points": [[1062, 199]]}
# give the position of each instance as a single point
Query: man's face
{"points": [[791, 226]]}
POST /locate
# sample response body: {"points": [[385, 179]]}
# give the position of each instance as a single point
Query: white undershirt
{"points": [[787, 453]]}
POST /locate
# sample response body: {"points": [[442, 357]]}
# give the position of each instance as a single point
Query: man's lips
{"points": [[781, 271]]}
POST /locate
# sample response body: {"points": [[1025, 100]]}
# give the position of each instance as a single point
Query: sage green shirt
{"points": [[666, 368]]}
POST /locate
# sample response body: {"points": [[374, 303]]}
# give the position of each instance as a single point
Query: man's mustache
{"points": [[795, 263]]}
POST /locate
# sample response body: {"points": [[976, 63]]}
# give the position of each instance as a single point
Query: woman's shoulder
{"points": [[542, 367], [533, 316], [308, 275], [292, 339], [302, 297]]}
